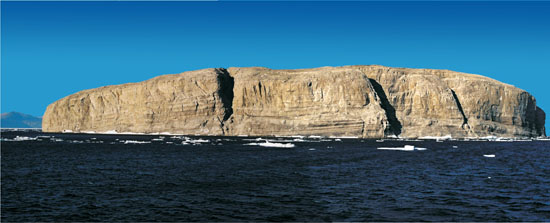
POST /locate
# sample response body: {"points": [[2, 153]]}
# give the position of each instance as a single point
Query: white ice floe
{"points": [[187, 140], [272, 144], [298, 140], [20, 138], [135, 142], [405, 148], [489, 155]]}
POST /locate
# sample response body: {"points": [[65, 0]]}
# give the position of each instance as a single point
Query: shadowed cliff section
{"points": [[226, 84], [395, 124], [540, 122], [459, 105]]}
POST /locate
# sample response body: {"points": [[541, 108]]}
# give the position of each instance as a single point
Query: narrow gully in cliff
{"points": [[226, 82], [459, 105], [395, 124]]}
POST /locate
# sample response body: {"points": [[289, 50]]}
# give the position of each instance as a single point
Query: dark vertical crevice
{"points": [[226, 83], [540, 121], [464, 118], [395, 124]]}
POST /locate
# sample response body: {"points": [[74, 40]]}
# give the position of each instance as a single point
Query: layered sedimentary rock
{"points": [[186, 103], [363, 101], [322, 101]]}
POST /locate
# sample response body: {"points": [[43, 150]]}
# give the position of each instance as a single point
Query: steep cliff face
{"points": [[193, 102], [363, 101], [443, 102], [322, 101]]}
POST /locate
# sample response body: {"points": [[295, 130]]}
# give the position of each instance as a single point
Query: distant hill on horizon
{"points": [[20, 120]]}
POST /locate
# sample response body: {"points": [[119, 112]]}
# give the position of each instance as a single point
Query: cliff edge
{"points": [[361, 101]]}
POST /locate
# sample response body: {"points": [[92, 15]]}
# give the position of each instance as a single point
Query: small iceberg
{"points": [[405, 148], [135, 142], [272, 144], [489, 155]]}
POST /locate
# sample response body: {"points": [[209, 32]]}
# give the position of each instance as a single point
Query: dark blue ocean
{"points": [[82, 177]]}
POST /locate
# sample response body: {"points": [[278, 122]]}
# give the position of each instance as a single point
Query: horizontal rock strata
{"points": [[361, 101]]}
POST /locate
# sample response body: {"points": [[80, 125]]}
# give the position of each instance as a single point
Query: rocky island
{"points": [[355, 101]]}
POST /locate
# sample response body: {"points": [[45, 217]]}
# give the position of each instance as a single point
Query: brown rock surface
{"points": [[363, 101], [323, 101], [186, 103]]}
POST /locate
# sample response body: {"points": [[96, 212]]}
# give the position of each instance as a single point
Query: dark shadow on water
{"points": [[395, 124]]}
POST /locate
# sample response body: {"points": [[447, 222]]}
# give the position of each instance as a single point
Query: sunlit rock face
{"points": [[360, 101]]}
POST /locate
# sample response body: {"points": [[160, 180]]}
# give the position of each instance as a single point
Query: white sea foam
{"points": [[405, 148]]}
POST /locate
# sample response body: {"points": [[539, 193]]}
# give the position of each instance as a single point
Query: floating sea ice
{"points": [[490, 155], [279, 145], [21, 138], [405, 148], [198, 141], [271, 144], [135, 142]]}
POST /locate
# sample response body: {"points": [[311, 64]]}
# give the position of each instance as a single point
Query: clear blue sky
{"points": [[53, 49]]}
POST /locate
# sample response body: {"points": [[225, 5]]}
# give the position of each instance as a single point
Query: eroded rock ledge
{"points": [[362, 101]]}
